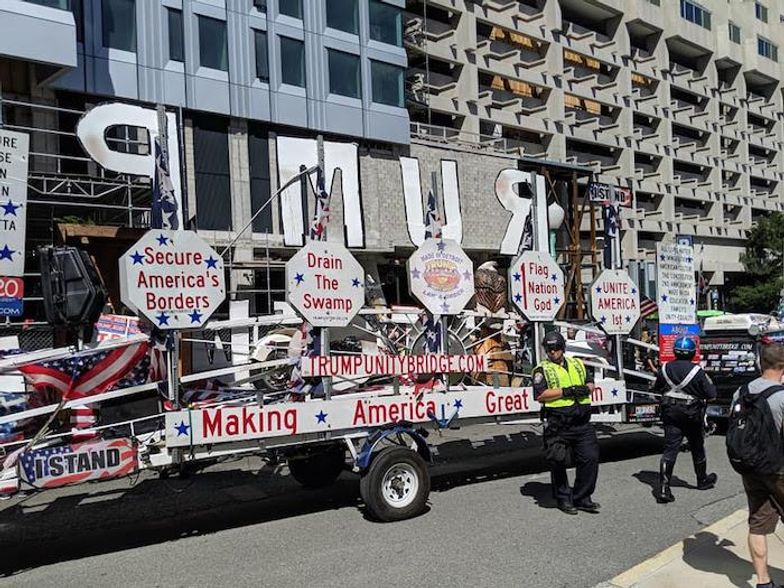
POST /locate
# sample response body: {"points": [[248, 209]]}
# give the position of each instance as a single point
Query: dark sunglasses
{"points": [[549, 348]]}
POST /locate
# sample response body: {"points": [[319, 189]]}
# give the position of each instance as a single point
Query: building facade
{"points": [[679, 100]]}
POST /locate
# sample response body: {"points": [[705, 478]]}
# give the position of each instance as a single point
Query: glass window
{"points": [[386, 23], [292, 62], [344, 75], [213, 44], [761, 11], [343, 15], [291, 8], [734, 33], [387, 82], [176, 39], [76, 7], [118, 20], [767, 49], [61, 4], [262, 63], [695, 13], [261, 5]]}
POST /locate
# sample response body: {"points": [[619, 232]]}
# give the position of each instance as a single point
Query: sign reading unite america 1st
{"points": [[615, 302], [325, 284], [14, 151], [173, 278], [537, 285]]}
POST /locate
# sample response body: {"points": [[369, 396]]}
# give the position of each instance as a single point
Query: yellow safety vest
{"points": [[558, 376]]}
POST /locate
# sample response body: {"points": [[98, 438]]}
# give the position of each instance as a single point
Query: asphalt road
{"points": [[491, 522]]}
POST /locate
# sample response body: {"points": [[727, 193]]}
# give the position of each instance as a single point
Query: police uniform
{"points": [[685, 388], [568, 428]]}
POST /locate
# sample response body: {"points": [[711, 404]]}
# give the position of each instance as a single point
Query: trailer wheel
{"points": [[319, 469], [396, 485]]}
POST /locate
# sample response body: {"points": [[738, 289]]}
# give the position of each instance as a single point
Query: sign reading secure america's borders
{"points": [[14, 164], [173, 278]]}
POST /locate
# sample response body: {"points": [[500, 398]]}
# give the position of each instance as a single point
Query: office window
{"points": [[292, 62], [61, 4], [344, 74], [291, 8], [695, 13], [77, 8], [259, 171], [767, 49], [386, 23], [118, 21], [176, 38], [343, 15], [761, 11], [260, 5], [213, 44], [211, 172], [262, 62], [734, 33], [387, 82]]}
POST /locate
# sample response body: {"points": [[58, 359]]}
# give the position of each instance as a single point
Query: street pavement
{"points": [[490, 522]]}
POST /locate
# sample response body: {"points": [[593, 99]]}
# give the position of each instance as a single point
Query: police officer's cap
{"points": [[554, 341]]}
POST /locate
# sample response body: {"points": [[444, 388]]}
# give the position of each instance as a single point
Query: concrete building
{"points": [[679, 100]]}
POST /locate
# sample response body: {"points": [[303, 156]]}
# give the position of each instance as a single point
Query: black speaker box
{"points": [[72, 289]]}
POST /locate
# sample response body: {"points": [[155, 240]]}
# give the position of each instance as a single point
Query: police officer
{"points": [[564, 387], [685, 388]]}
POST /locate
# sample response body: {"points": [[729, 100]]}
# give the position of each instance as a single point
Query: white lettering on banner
{"points": [[413, 198], [294, 152], [91, 131], [391, 365], [237, 423], [14, 164]]}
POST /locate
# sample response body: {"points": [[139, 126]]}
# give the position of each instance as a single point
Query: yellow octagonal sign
{"points": [[173, 278], [326, 284]]}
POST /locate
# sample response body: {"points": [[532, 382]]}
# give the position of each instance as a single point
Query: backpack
{"points": [[754, 443]]}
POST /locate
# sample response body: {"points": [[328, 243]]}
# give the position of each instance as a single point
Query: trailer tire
{"points": [[396, 485], [320, 469]]}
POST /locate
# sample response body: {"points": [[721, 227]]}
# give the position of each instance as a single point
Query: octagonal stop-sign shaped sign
{"points": [[173, 278], [615, 302], [537, 285], [441, 276], [326, 284]]}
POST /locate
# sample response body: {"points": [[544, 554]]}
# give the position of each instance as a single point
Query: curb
{"points": [[632, 576]]}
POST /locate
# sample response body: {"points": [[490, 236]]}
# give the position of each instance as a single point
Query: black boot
{"points": [[664, 494], [705, 481]]}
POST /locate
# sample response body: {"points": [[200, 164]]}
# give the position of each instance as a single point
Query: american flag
{"points": [[10, 403], [42, 476], [299, 386], [432, 220], [318, 230], [610, 215], [700, 275], [647, 307], [86, 373], [164, 201]]}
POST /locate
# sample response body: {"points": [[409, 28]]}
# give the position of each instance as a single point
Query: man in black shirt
{"points": [[685, 388]]}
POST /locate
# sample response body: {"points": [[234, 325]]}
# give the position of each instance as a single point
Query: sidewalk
{"points": [[717, 556]]}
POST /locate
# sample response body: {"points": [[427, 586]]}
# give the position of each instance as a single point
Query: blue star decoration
{"points": [[628, 319], [518, 297], [598, 290], [415, 273], [466, 275], [195, 316], [458, 404], [355, 282], [162, 239], [163, 319], [10, 208], [634, 290], [517, 277], [321, 417], [554, 277], [557, 300], [137, 258], [688, 260], [441, 245], [182, 428], [445, 307], [664, 298], [614, 391], [211, 262], [603, 320], [6, 253], [691, 300], [299, 278], [662, 257]]}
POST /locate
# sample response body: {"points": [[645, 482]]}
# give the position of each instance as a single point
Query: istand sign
{"points": [[441, 276], [675, 282], [173, 278], [537, 285], [326, 284], [615, 302], [609, 194], [14, 152], [11, 295]]}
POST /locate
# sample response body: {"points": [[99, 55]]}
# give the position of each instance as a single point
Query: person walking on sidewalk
{"points": [[685, 388], [564, 386], [756, 449]]}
